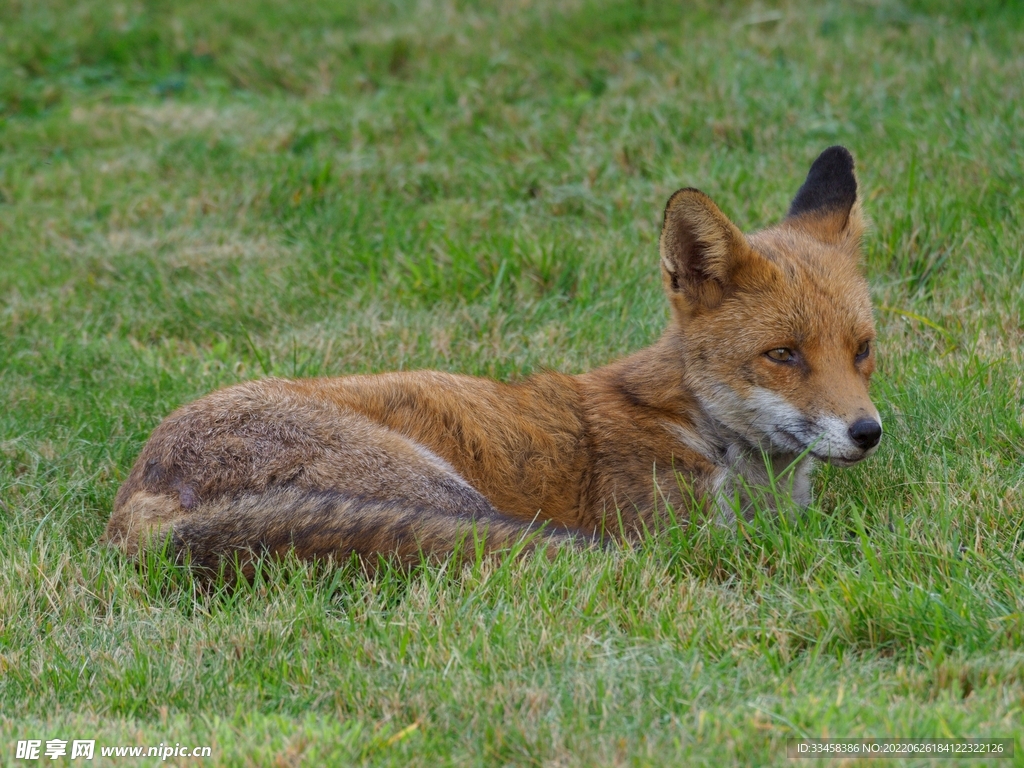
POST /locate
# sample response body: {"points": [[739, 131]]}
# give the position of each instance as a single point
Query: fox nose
{"points": [[866, 433]]}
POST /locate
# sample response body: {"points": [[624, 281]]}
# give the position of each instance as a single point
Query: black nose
{"points": [[866, 433]]}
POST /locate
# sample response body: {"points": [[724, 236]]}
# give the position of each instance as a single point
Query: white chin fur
{"points": [[833, 445], [766, 418]]}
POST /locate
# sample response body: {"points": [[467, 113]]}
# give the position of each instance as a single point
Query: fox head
{"points": [[776, 327]]}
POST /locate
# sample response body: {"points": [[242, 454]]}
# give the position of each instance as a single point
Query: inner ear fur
{"points": [[701, 250], [826, 205]]}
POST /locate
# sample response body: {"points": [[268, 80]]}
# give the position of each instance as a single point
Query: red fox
{"points": [[762, 371]]}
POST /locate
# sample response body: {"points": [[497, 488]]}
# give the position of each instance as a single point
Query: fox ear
{"points": [[700, 249], [826, 205]]}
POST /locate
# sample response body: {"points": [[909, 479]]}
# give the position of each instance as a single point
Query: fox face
{"points": [[776, 328]]}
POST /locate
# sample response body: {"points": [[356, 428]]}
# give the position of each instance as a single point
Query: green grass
{"points": [[197, 193]]}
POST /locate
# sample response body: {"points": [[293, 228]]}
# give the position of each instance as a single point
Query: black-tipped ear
{"points": [[831, 186], [826, 204], [700, 249]]}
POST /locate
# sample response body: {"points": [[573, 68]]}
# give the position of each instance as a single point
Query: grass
{"points": [[198, 193]]}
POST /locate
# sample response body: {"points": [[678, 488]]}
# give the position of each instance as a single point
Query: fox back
{"points": [[762, 371]]}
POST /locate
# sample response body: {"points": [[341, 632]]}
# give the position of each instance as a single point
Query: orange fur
{"points": [[763, 368]]}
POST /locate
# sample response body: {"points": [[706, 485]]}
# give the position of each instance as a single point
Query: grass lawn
{"points": [[197, 193]]}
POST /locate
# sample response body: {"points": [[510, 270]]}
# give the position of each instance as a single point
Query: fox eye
{"points": [[780, 355], [863, 350]]}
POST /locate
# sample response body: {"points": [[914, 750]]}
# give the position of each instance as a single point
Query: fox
{"points": [[761, 373]]}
